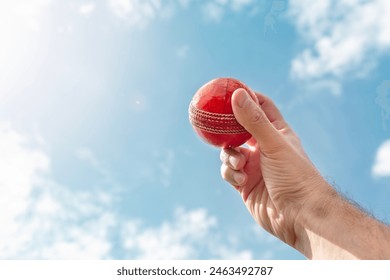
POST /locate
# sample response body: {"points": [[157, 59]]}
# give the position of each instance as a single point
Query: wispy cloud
{"points": [[277, 6], [238, 5], [19, 172], [190, 234], [41, 218], [381, 166], [215, 10], [172, 240], [87, 8], [86, 155], [343, 37], [70, 225], [325, 85], [140, 12], [162, 171]]}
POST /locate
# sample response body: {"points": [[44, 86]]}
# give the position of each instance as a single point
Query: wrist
{"points": [[314, 218], [329, 227]]}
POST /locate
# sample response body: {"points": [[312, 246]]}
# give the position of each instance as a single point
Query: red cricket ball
{"points": [[211, 114]]}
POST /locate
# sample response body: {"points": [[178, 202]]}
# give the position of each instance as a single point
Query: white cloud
{"points": [[140, 12], [215, 10], [77, 227], [87, 8], [325, 85], [238, 5], [87, 155], [381, 166], [277, 7], [344, 37], [175, 240], [40, 218], [190, 234], [162, 171], [19, 172]]}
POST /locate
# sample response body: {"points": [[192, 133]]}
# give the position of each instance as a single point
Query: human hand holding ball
{"points": [[278, 183], [272, 169]]}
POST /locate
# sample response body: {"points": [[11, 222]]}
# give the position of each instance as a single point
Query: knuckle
{"points": [[237, 162], [257, 117], [224, 172], [231, 157], [224, 157]]}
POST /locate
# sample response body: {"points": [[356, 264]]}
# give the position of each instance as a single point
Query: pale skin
{"points": [[288, 197]]}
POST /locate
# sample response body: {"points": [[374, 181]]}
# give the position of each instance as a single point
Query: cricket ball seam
{"points": [[214, 122]]}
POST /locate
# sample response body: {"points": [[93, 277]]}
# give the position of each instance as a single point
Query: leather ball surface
{"points": [[211, 114]]}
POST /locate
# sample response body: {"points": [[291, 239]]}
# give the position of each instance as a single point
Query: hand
{"points": [[274, 175], [288, 197]]}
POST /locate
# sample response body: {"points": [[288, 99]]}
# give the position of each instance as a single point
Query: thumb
{"points": [[252, 117]]}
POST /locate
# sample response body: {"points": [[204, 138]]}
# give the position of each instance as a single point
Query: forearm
{"points": [[332, 228]]}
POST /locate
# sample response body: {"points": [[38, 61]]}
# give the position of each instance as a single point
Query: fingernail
{"points": [[242, 98], [239, 177], [234, 161]]}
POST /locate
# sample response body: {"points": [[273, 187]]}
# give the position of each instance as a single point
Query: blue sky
{"points": [[98, 158]]}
